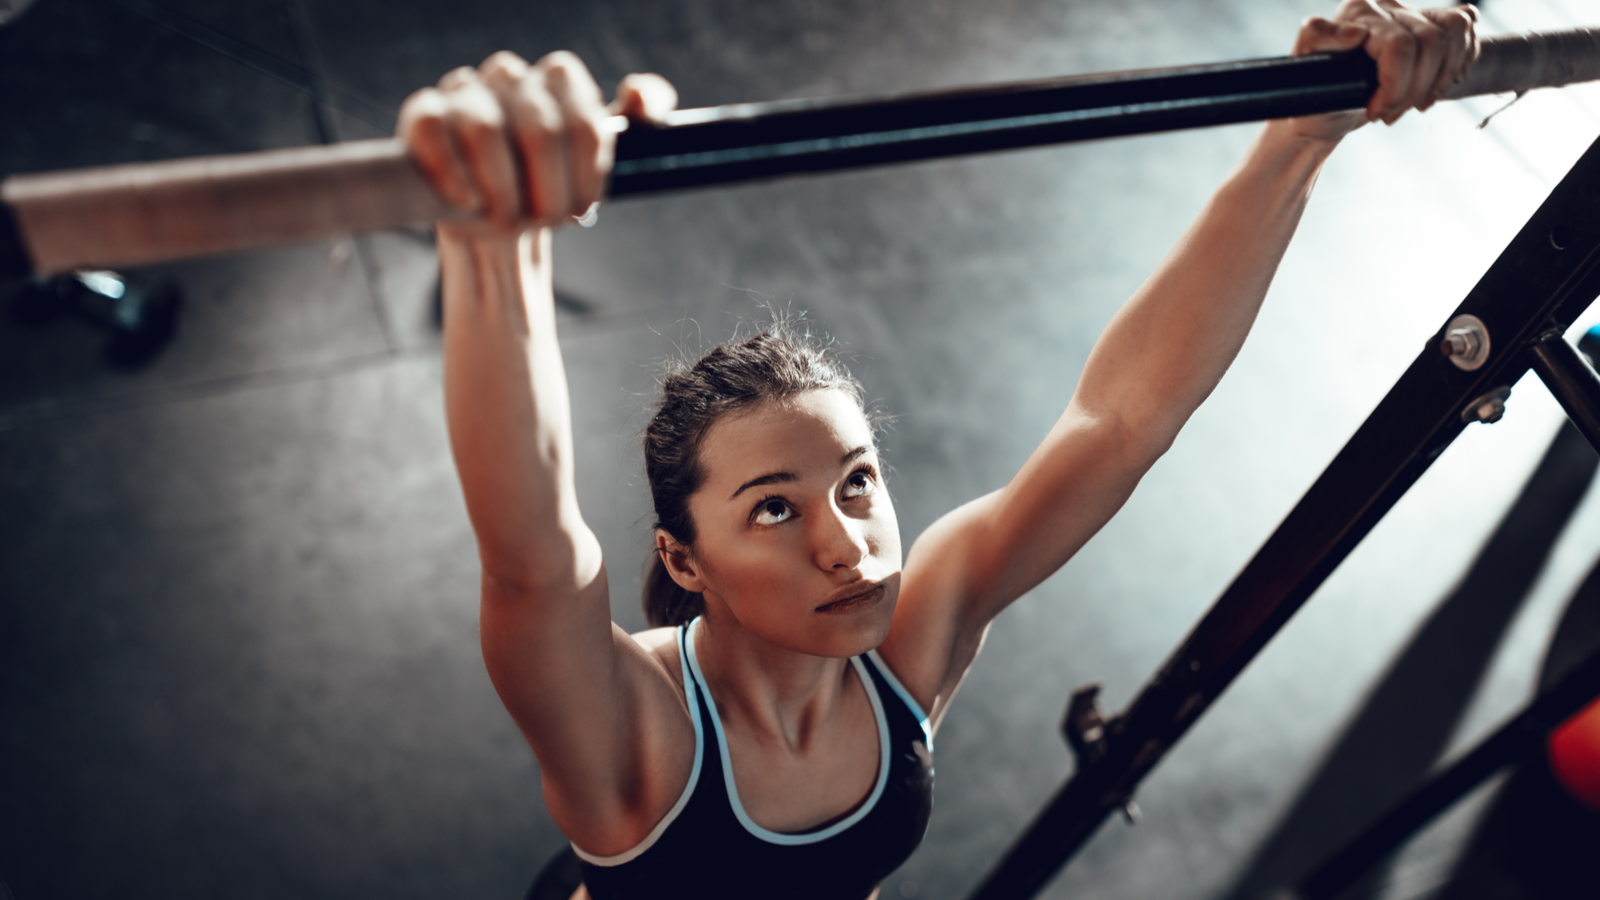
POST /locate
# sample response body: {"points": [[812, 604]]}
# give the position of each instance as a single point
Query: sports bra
{"points": [[708, 846]]}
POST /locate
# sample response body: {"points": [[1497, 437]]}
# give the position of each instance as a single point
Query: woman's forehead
{"points": [[810, 431]]}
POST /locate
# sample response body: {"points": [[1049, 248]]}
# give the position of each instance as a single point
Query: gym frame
{"points": [[1545, 278]]}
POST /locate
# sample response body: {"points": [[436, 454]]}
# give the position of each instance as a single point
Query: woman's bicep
{"points": [[600, 713], [1005, 543], [977, 559], [1074, 482], [549, 651]]}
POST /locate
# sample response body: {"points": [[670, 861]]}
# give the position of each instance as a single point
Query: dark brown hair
{"points": [[776, 364]]}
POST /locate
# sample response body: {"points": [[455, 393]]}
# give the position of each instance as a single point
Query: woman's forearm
{"points": [[1169, 345], [508, 409]]}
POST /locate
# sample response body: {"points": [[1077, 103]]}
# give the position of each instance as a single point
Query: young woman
{"points": [[778, 740]]}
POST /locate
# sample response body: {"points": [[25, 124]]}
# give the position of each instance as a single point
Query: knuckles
{"points": [[424, 106], [538, 113], [503, 64], [564, 62], [545, 119]]}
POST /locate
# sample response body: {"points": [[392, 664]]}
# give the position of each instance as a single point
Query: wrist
{"points": [[478, 235], [479, 260], [1324, 131], [1291, 142], [484, 243]]}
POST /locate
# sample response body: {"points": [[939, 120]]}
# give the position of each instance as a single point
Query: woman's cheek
{"points": [[886, 534], [767, 568]]}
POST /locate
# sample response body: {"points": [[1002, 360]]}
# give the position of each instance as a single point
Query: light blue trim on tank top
{"points": [[905, 697], [650, 839], [810, 837]]}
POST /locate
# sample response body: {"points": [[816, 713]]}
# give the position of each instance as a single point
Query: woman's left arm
{"points": [[1161, 355]]}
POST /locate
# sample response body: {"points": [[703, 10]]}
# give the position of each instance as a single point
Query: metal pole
{"points": [[120, 216], [1535, 285], [1571, 379], [764, 140], [1518, 739]]}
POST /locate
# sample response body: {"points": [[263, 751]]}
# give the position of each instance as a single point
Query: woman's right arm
{"points": [[526, 145]]}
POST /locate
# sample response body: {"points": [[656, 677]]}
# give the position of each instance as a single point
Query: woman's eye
{"points": [[771, 512], [859, 484]]}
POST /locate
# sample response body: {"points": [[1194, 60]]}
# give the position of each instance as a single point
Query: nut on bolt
{"points": [[1461, 342], [1466, 342], [1488, 408]]}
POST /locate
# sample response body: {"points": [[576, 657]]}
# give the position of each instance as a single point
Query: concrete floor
{"points": [[237, 589]]}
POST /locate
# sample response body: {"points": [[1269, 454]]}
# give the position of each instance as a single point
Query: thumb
{"points": [[645, 97]]}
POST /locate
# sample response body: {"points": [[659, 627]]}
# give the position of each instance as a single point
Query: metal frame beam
{"points": [[1545, 278], [1571, 379]]}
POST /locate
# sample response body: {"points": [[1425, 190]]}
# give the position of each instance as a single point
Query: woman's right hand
{"points": [[523, 144]]}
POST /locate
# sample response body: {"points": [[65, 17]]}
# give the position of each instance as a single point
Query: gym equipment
{"points": [[139, 312], [1547, 276], [128, 215], [1511, 322], [1574, 752], [1519, 739]]}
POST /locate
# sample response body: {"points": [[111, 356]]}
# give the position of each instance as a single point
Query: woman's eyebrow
{"points": [[773, 478], [785, 477]]}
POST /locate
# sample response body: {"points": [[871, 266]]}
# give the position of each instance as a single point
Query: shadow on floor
{"points": [[1534, 841], [1411, 714]]}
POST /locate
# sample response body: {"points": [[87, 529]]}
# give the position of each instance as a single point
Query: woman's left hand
{"points": [[1420, 53]]}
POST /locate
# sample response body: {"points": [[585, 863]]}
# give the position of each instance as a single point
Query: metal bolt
{"points": [[1488, 408], [1466, 342], [1461, 342]]}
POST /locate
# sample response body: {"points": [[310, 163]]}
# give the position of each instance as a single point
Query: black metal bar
{"points": [[763, 140], [1573, 382], [1536, 284], [1514, 741]]}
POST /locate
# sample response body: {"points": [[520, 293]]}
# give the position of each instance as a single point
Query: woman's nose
{"points": [[839, 540]]}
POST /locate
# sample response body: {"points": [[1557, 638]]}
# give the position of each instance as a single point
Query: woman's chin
{"points": [[856, 628]]}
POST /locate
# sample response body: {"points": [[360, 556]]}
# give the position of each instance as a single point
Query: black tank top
{"points": [[707, 846]]}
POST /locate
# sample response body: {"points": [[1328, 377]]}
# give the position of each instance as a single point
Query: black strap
{"points": [[14, 261]]}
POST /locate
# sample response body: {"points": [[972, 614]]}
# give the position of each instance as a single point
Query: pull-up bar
{"points": [[147, 212], [1546, 277]]}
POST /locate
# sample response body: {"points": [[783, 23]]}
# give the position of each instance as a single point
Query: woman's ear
{"points": [[679, 562]]}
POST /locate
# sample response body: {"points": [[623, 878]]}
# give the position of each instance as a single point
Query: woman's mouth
{"points": [[862, 597]]}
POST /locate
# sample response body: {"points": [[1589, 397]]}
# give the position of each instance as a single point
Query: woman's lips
{"points": [[854, 602]]}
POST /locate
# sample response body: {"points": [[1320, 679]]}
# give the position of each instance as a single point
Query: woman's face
{"points": [[795, 533]]}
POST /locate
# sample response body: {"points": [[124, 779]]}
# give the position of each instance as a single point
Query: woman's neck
{"points": [[771, 692]]}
